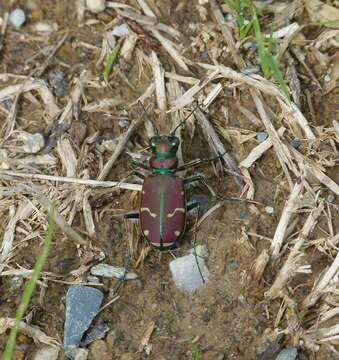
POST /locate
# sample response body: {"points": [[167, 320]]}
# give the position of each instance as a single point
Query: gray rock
{"points": [[296, 143], [251, 69], [232, 265], [93, 279], [288, 354], [112, 272], [82, 305], [57, 79], [186, 274], [269, 209], [97, 332], [120, 30], [33, 143], [17, 18], [262, 136]]}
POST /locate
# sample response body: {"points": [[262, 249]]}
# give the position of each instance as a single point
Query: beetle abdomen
{"points": [[162, 210]]}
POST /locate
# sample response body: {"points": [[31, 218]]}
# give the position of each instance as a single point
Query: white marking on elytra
{"points": [[146, 232], [177, 233], [163, 245], [175, 210], [154, 215], [182, 193], [143, 192]]}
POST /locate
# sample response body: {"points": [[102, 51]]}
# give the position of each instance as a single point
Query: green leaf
{"points": [[29, 289], [111, 60]]}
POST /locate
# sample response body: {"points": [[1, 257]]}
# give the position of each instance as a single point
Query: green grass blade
{"points": [[111, 60], [30, 287], [195, 352]]}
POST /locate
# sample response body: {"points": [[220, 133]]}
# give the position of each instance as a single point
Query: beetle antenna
{"points": [[186, 118], [145, 113]]}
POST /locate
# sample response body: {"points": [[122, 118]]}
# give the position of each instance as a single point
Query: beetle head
{"points": [[164, 145]]}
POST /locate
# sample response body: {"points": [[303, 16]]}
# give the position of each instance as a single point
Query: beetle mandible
{"points": [[163, 205]]}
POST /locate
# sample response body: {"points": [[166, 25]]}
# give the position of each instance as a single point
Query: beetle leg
{"points": [[198, 162], [192, 205], [140, 164], [139, 174], [132, 215], [193, 178]]}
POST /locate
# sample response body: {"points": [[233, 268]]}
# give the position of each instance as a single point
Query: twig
{"points": [[120, 147], [218, 147], [4, 174], [290, 207], [292, 264]]}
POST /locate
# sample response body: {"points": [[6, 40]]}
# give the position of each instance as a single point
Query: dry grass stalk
{"points": [[188, 97], [67, 157], [119, 149], [103, 105], [159, 80], [212, 95], [24, 210], [292, 265], [46, 95], [259, 266], [4, 174], [88, 215], [184, 79], [169, 47], [249, 115], [145, 8], [128, 46], [32, 331], [218, 148], [321, 286], [145, 95], [291, 205], [259, 150], [313, 169]]}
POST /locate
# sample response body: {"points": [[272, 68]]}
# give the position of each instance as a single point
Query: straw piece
{"points": [[259, 150], [4, 174], [159, 80], [291, 265], [290, 206], [67, 157]]}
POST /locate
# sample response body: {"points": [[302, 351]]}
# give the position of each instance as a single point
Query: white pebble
{"points": [[44, 27], [110, 272], [32, 142], [269, 209], [120, 30], [17, 18], [96, 6]]}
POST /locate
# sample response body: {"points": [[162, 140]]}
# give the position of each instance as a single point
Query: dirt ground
{"points": [[229, 318]]}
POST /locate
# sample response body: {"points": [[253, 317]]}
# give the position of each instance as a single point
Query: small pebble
{"points": [[46, 353], [243, 215], [45, 28], [232, 265], [269, 209], [96, 6], [261, 136], [296, 143], [33, 143], [327, 78], [251, 69], [124, 123], [110, 272], [57, 79], [288, 354], [99, 350], [120, 30], [97, 332], [17, 18], [187, 276], [16, 282], [330, 198], [205, 56], [93, 279]]}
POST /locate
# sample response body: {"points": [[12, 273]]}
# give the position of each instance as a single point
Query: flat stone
{"points": [[288, 354], [296, 143], [97, 332], [186, 274], [112, 272], [33, 143], [46, 353], [17, 18], [120, 30], [82, 305], [251, 69], [262, 136], [96, 6]]}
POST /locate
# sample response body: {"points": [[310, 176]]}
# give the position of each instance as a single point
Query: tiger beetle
{"points": [[163, 205]]}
